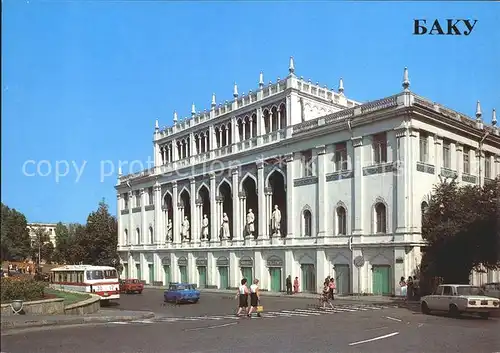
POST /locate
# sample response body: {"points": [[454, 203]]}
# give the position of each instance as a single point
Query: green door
{"points": [[151, 269], [342, 279], [246, 272], [166, 274], [125, 271], [224, 277], [308, 278], [138, 269], [275, 273], [184, 274], [202, 273], [381, 280]]}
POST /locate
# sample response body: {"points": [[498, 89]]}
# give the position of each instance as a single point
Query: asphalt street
{"points": [[354, 327]]}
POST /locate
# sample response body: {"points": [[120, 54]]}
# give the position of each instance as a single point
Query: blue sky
{"points": [[85, 81]]}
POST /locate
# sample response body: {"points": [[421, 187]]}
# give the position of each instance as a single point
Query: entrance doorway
{"points": [[308, 278], [184, 274], [166, 275], [275, 274], [342, 279], [246, 272], [224, 277], [202, 275], [151, 270], [381, 279], [138, 269]]}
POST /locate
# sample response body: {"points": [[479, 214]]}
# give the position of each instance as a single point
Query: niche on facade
{"points": [[246, 261]]}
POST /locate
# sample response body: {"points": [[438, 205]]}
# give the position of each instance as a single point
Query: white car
{"points": [[459, 298]]}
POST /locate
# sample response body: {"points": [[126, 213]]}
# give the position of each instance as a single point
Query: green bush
{"points": [[26, 289]]}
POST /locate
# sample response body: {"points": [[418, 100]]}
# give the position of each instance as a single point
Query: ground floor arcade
{"points": [[373, 270]]}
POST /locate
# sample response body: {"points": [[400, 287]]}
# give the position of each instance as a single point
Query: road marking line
{"points": [[374, 308], [278, 313], [313, 312], [374, 339], [210, 327], [231, 317], [293, 313], [119, 322], [393, 318], [142, 321]]}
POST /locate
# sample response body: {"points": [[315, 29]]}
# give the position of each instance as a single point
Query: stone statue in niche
{"points": [[204, 227], [276, 221], [250, 228], [224, 231], [169, 230], [185, 229]]}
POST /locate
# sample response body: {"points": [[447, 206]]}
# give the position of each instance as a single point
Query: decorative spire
{"points": [[157, 125], [175, 117], [341, 86], [119, 171], [406, 80], [478, 111], [213, 100], [494, 118], [235, 90], [261, 79], [291, 67], [193, 109]]}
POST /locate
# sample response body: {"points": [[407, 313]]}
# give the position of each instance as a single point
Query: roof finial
{"points": [[119, 171], [406, 80], [157, 125], [478, 111], [341, 86], [261, 79], [235, 90], [175, 117], [291, 67], [193, 109], [214, 103], [494, 118]]}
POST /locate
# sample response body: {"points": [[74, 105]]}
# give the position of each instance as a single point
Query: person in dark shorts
{"points": [[254, 297], [242, 296]]}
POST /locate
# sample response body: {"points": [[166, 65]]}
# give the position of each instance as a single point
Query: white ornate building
{"points": [[350, 180]]}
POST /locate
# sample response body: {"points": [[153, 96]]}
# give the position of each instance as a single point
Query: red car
{"points": [[131, 286]]}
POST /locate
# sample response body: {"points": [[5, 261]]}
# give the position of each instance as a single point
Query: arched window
{"points": [[151, 238], [307, 223], [137, 235], [424, 207], [125, 236], [380, 218], [341, 221]]}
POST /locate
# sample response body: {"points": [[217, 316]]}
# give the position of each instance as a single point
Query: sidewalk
{"points": [[25, 321]]}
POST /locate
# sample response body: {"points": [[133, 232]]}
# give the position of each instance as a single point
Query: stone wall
{"points": [[38, 307]]}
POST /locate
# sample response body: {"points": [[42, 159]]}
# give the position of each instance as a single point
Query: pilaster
{"points": [[194, 226], [158, 214], [213, 209], [175, 151], [261, 199], [400, 259], [438, 153], [175, 214], [144, 225], [322, 200], [401, 208], [236, 231], [121, 238], [357, 144], [131, 231], [321, 270], [290, 207]]}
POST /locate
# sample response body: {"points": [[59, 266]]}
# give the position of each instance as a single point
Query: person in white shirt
{"points": [[254, 297], [242, 294]]}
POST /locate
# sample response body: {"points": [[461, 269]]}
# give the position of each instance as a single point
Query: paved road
{"points": [[294, 327]]}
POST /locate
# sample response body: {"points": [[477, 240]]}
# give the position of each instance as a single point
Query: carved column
{"points": [[401, 209], [250, 120], [193, 222], [278, 123], [131, 231], [290, 207], [322, 197], [213, 208], [261, 200], [269, 211], [158, 214], [175, 213], [243, 211], [236, 220], [357, 143], [121, 235]]}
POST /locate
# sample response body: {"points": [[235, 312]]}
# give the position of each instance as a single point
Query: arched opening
{"points": [[282, 116], [186, 212], [277, 184], [197, 143], [423, 208], [246, 127], [168, 214], [250, 189], [306, 223], [137, 235], [218, 137], [125, 235], [151, 235], [341, 221], [227, 205], [267, 121], [380, 218], [241, 129], [204, 195], [254, 125]]}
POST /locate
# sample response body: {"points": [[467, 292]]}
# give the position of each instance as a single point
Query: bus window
{"points": [[80, 277], [110, 274], [95, 274]]}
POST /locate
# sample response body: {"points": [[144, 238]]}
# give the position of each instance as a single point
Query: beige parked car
{"points": [[457, 299]]}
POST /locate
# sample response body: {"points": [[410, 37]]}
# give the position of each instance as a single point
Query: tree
{"points": [[62, 243], [461, 226], [15, 237], [75, 253], [41, 239]]}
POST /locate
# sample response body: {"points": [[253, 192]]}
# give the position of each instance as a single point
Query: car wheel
{"points": [[453, 311], [195, 301], [425, 308], [484, 315]]}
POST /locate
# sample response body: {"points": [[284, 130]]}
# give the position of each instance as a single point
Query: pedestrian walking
{"points": [[242, 296], [325, 295], [289, 284], [296, 285], [254, 298], [332, 288]]}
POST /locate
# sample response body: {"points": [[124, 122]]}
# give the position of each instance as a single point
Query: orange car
{"points": [[131, 286]]}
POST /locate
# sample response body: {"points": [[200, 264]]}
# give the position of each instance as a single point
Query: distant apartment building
{"points": [[49, 227]]}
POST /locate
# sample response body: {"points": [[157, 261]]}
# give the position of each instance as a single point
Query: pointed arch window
{"points": [[125, 236], [137, 235], [424, 207], [307, 223], [380, 218], [151, 235], [341, 221]]}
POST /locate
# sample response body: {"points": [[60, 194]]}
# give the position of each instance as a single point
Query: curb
{"points": [[74, 321]]}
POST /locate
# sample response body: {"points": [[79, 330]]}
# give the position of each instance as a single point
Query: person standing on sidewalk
{"points": [[289, 284], [254, 297], [332, 288], [242, 295], [296, 285]]}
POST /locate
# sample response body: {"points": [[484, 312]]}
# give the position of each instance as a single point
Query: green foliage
{"points": [[15, 238], [22, 288], [461, 228], [40, 245]]}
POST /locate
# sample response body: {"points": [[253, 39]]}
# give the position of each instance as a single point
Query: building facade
{"points": [[297, 179], [50, 228]]}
